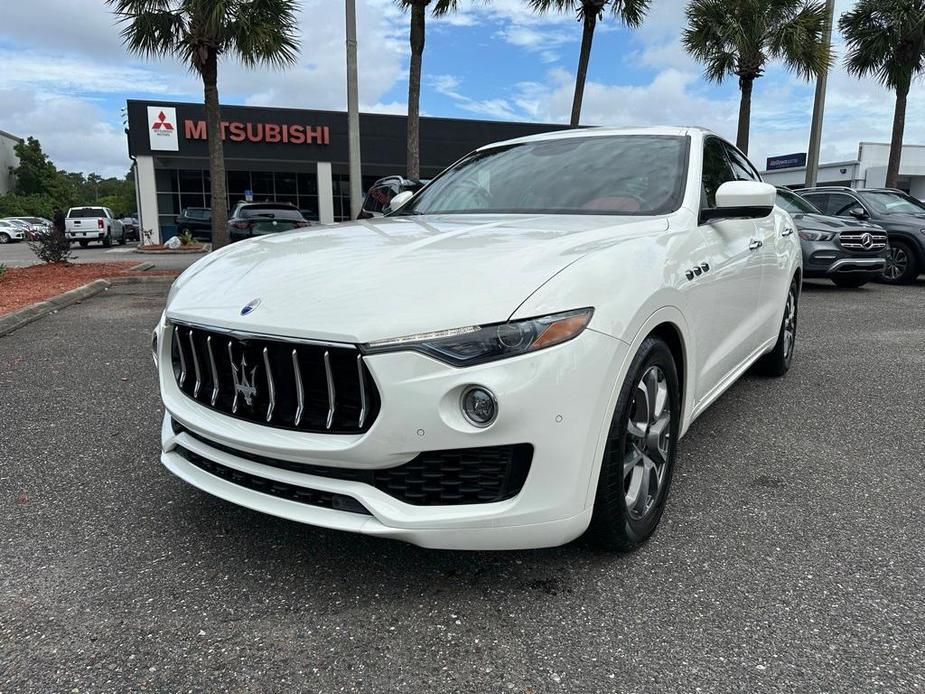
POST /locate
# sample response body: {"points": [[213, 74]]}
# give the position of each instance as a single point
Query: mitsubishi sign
{"points": [[162, 128]]}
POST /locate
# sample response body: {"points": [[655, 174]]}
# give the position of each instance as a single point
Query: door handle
{"points": [[786, 232], [754, 245]]}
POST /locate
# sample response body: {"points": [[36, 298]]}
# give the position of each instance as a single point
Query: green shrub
{"points": [[52, 247]]}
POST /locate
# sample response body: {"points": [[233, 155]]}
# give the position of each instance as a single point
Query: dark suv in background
{"points": [[900, 214], [381, 193], [851, 253], [197, 221]]}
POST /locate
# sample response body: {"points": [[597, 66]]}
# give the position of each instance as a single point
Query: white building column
{"points": [[147, 199], [325, 193]]}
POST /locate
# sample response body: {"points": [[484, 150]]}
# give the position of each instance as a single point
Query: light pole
{"points": [[353, 111], [815, 131]]}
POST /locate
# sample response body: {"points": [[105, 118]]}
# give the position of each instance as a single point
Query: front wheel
{"points": [[83, 244], [640, 453], [850, 282], [901, 264], [4, 237], [777, 361]]}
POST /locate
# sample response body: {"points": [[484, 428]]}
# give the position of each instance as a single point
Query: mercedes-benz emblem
{"points": [[867, 240], [250, 307]]}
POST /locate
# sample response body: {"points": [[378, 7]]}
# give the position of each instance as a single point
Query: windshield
{"points": [[619, 175], [794, 204], [887, 202]]}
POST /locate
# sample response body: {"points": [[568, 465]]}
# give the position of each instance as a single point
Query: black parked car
{"points": [[261, 218], [900, 214], [381, 193], [850, 253], [197, 221]]}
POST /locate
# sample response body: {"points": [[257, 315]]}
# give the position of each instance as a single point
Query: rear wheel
{"points": [[107, 240], [850, 282], [777, 362], [901, 264], [639, 457]]}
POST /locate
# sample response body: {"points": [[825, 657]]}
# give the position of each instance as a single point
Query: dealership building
{"points": [[868, 170], [284, 155]]}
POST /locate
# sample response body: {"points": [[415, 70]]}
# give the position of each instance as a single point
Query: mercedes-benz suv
{"points": [[850, 253], [900, 214]]}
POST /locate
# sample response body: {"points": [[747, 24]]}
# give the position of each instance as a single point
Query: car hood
{"points": [[911, 222], [395, 276], [821, 222]]}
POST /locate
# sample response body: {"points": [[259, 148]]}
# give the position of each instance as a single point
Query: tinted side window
{"points": [[716, 170], [740, 166], [840, 203], [820, 200]]}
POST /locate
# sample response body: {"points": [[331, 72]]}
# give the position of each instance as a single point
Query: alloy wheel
{"points": [[648, 439], [896, 263], [4, 238], [790, 323]]}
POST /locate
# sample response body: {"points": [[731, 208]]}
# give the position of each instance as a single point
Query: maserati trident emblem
{"points": [[244, 384], [250, 307]]}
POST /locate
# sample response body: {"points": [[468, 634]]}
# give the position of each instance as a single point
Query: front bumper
{"points": [[827, 259], [558, 400]]}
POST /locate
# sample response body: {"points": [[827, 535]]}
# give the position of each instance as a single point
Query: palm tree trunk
{"points": [[414, 88], [587, 36], [745, 112], [896, 142], [216, 151]]}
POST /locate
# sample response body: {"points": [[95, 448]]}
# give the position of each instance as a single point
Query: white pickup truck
{"points": [[86, 224]]}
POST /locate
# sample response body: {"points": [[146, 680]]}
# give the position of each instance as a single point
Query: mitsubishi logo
{"points": [[867, 240], [162, 122], [244, 384]]}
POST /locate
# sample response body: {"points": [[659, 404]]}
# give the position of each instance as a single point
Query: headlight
{"points": [[478, 344], [809, 235]]}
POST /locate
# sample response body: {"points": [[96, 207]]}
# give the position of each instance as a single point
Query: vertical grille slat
{"points": [[299, 387], [297, 384], [331, 392], [214, 370], [362, 379], [270, 385], [181, 379], [192, 346]]}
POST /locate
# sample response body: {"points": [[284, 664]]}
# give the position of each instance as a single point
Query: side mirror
{"points": [[741, 200], [858, 212], [398, 201]]}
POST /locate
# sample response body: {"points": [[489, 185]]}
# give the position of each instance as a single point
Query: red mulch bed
{"points": [[21, 286]]}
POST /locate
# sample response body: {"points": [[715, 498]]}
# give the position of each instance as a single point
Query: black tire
{"points": [[83, 244], [850, 282], [615, 524], [902, 266], [107, 240], [123, 239], [777, 362], [4, 237]]}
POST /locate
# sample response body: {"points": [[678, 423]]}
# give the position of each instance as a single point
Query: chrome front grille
{"points": [[272, 381], [863, 240]]}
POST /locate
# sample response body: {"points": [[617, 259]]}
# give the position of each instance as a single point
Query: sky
{"points": [[65, 77]]}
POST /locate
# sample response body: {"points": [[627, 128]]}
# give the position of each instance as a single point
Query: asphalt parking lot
{"points": [[791, 557]]}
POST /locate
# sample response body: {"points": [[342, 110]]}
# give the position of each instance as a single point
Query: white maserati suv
{"points": [[506, 360]]}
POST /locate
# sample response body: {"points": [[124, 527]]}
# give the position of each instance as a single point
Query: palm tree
{"points": [[886, 39], [738, 37], [418, 30], [199, 32], [629, 12]]}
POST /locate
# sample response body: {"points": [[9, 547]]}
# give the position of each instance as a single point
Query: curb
{"points": [[141, 267], [170, 252], [144, 279], [27, 314]]}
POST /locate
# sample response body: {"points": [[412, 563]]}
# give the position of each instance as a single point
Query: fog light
{"points": [[479, 406]]}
